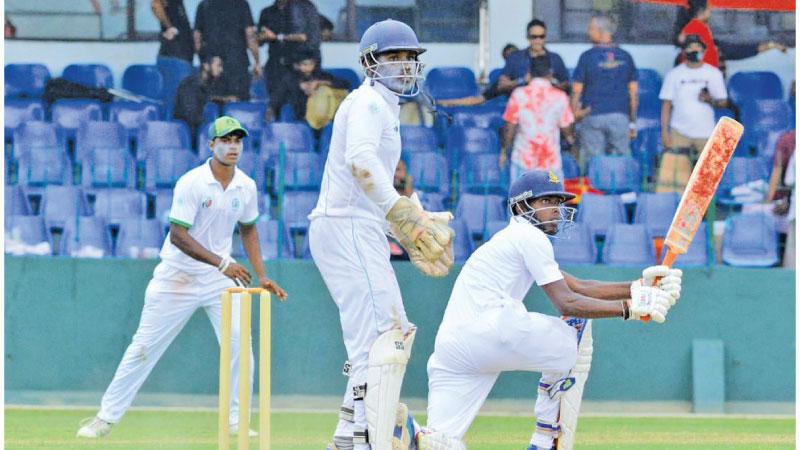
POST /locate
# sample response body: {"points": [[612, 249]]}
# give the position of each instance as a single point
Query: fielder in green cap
{"points": [[196, 266]]}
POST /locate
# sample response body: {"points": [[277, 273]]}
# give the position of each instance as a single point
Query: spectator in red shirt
{"points": [[783, 152], [699, 26]]}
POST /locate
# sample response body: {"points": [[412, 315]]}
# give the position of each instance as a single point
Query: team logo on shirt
{"points": [[610, 62], [207, 203], [235, 203]]}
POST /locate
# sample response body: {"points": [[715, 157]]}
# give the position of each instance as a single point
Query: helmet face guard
{"points": [[404, 78], [562, 224]]}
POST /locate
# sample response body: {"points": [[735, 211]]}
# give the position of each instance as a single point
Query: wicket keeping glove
{"points": [[670, 280], [648, 301], [426, 236]]}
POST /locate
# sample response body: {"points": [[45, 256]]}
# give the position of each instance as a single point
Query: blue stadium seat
{"points": [[740, 170], [139, 238], [347, 74], [429, 172], [99, 135], [69, 114], [648, 114], [649, 82], [161, 134], [132, 115], [760, 117], [286, 114], [655, 211], [173, 70], [599, 212], [210, 112], [86, 232], [495, 226], [302, 171], [723, 112], [61, 204], [143, 79], [417, 139], [16, 203], [43, 166], [325, 140], [646, 149], [461, 140], [576, 246], [481, 174], [569, 166], [698, 253], [750, 240], [163, 166], [451, 82], [29, 230], [494, 75], [297, 205], [25, 80], [162, 203], [614, 174], [250, 114], [296, 137], [463, 245], [19, 111], [432, 201], [479, 210], [116, 205], [628, 245], [90, 75], [743, 86], [108, 167], [255, 168], [269, 232], [481, 116], [37, 134]]}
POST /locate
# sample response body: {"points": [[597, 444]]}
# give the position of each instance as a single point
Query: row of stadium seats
{"points": [[478, 217]]}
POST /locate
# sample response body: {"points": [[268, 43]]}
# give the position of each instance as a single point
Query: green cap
{"points": [[223, 126]]}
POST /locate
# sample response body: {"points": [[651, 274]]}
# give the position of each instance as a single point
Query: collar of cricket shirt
{"points": [[208, 176], [391, 98]]}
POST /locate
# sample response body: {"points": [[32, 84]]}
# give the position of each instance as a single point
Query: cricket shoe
{"points": [[94, 427], [234, 431], [533, 447]]}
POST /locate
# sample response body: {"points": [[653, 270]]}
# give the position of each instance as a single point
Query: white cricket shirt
{"points": [[200, 204], [367, 124], [503, 270], [682, 85]]}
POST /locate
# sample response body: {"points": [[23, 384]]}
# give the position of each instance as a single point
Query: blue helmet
{"points": [[402, 77], [536, 184]]}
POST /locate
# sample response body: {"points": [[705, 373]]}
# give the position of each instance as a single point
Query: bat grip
{"points": [[669, 259]]}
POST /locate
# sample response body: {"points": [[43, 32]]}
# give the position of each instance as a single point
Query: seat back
{"points": [[429, 172], [417, 139], [755, 84], [19, 111], [276, 241], [481, 174], [163, 166], [296, 137], [108, 167], [37, 134], [139, 238], [463, 245], [90, 75], [615, 174], [71, 113], [86, 237], [132, 115], [451, 82], [162, 134], [628, 245], [143, 79], [347, 74], [750, 240], [577, 246], [655, 211], [116, 205], [25, 80], [297, 205], [600, 211], [478, 210]]}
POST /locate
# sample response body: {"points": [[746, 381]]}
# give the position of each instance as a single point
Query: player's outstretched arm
{"points": [[252, 247], [642, 301], [601, 290]]}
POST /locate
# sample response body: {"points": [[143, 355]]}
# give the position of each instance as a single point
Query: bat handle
{"points": [[669, 259]]}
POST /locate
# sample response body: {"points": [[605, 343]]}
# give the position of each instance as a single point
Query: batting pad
{"points": [[387, 366], [570, 405]]}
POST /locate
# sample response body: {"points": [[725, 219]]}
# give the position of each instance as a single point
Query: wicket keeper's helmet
{"points": [[404, 78]]}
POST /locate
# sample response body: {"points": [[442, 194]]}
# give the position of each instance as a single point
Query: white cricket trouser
{"points": [[353, 257], [469, 356], [170, 300]]}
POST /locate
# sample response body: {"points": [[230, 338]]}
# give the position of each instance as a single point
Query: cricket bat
{"points": [[701, 188]]}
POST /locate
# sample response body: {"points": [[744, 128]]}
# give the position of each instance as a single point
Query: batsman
{"points": [[487, 330]]}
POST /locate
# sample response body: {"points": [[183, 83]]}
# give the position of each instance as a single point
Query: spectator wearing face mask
{"points": [[688, 96]]}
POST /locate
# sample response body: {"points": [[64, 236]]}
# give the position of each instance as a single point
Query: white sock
{"points": [[542, 441]]}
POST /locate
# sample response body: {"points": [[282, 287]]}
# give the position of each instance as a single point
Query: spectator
{"points": [[789, 180], [225, 28], [288, 26], [778, 192], [196, 90], [534, 115], [491, 92], [176, 33], [325, 29], [301, 83], [688, 96], [10, 30], [605, 94], [518, 64], [699, 26]]}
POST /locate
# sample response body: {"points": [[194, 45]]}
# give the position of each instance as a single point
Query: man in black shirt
{"points": [[297, 85], [288, 26], [225, 28], [176, 34], [197, 90]]}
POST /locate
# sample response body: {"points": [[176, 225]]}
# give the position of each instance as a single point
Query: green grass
{"points": [[44, 429]]}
